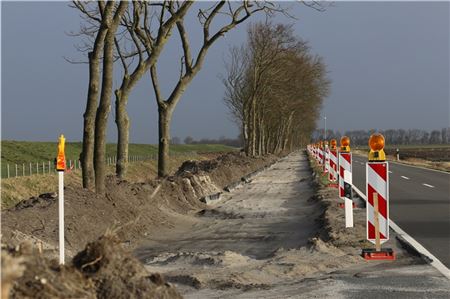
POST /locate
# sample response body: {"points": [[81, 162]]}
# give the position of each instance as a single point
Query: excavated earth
{"points": [[278, 234], [132, 210], [119, 221]]}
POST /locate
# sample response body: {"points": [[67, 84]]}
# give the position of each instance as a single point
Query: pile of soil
{"points": [[133, 210], [102, 270]]}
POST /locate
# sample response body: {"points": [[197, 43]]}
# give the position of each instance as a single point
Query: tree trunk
{"points": [[87, 155], [123, 125], [101, 118], [244, 135], [164, 118], [254, 126]]}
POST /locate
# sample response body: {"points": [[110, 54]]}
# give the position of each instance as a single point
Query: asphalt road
{"points": [[419, 203]]}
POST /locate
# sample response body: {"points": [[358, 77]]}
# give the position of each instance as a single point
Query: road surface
{"points": [[419, 203]]}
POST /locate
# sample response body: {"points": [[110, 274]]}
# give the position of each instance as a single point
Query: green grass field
{"points": [[25, 152]]}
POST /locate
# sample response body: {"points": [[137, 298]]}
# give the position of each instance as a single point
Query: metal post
{"points": [[37, 167], [325, 118], [43, 167], [7, 170], [16, 170], [23, 169], [49, 167], [61, 215], [31, 169]]}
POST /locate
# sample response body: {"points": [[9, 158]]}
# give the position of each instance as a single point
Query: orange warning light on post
{"points": [[376, 144], [61, 159], [333, 144], [345, 144]]}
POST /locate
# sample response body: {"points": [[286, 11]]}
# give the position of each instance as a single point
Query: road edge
{"points": [[430, 258]]}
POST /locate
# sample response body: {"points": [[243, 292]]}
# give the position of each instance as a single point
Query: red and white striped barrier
{"points": [[326, 161], [321, 155], [377, 174], [333, 166]]}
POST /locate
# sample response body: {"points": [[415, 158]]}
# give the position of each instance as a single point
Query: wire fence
{"points": [[48, 167]]}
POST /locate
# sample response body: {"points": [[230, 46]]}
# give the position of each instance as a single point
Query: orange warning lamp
{"points": [[345, 144], [61, 159], [333, 144], [376, 143]]}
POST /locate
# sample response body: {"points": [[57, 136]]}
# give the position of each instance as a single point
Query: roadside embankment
{"points": [[133, 210]]}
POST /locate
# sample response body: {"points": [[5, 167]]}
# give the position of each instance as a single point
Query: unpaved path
{"points": [[261, 241], [250, 239]]}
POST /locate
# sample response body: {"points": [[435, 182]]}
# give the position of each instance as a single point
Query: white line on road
{"points": [[430, 186], [405, 177], [422, 250]]}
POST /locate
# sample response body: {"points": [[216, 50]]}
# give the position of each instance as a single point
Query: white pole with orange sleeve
{"points": [[61, 167]]}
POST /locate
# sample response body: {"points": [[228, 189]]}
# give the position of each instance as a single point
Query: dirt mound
{"points": [[195, 167], [42, 201], [102, 270], [139, 209], [116, 274]]}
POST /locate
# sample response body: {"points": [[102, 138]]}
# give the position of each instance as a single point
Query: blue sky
{"points": [[388, 62]]}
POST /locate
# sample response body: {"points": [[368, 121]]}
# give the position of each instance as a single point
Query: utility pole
{"points": [[325, 137]]}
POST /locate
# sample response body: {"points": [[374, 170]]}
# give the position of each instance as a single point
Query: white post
{"points": [[16, 170], [31, 169], [49, 167], [37, 168], [348, 201], [61, 216], [7, 170], [43, 167], [23, 169]]}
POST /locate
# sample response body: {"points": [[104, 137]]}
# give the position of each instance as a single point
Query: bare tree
{"points": [[136, 39], [275, 88], [145, 41], [106, 11], [236, 12], [101, 117]]}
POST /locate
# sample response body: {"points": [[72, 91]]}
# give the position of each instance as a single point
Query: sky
{"points": [[388, 63]]}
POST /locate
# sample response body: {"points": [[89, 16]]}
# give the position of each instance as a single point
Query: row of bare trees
{"points": [[132, 35], [274, 89]]}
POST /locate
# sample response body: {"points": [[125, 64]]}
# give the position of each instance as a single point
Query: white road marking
{"points": [[422, 250], [430, 186], [405, 177], [425, 168]]}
